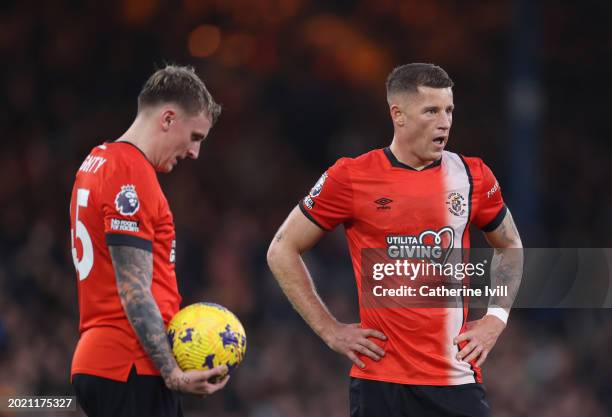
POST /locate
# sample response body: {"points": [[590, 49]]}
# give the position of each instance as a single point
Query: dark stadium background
{"points": [[302, 83]]}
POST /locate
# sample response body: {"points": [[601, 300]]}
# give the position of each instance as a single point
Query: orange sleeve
{"points": [[330, 201], [129, 206], [491, 209]]}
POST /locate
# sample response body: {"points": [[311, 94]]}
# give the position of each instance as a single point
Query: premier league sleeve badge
{"points": [[126, 201]]}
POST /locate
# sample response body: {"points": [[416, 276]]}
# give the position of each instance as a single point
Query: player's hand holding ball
{"points": [[198, 382], [208, 342]]}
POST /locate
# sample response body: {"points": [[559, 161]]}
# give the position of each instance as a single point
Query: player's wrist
{"points": [[174, 379], [499, 312], [329, 330]]}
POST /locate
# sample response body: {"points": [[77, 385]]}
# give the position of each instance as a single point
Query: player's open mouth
{"points": [[439, 141]]}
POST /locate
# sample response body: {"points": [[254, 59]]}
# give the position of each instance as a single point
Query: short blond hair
{"points": [[180, 85]]}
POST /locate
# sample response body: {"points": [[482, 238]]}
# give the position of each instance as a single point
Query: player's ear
{"points": [[168, 116], [397, 115]]}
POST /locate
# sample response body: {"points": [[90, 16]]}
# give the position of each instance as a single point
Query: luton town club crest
{"points": [[456, 204]]}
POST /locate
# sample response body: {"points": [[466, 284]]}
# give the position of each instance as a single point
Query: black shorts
{"points": [[385, 399], [141, 395]]}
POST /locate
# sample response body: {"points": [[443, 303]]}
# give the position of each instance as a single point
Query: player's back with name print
{"points": [[93, 162]]}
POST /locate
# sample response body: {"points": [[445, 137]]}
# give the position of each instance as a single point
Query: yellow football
{"points": [[205, 335]]}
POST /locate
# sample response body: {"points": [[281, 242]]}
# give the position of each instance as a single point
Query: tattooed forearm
{"points": [[134, 274], [506, 271], [507, 262], [175, 382]]}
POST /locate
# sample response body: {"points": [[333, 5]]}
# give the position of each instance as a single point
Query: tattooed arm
{"points": [[134, 275], [507, 271], [507, 262]]}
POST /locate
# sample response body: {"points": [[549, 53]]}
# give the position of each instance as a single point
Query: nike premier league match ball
{"points": [[205, 335]]}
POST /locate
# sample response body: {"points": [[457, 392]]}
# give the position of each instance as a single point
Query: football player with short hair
{"points": [[123, 243], [406, 361]]}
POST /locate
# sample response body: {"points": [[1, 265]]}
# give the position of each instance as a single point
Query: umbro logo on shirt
{"points": [[383, 203]]}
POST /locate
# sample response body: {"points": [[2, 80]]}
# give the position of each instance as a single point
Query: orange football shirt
{"points": [[117, 200], [379, 199]]}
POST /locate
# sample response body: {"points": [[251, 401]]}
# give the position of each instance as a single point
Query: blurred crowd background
{"points": [[302, 84]]}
